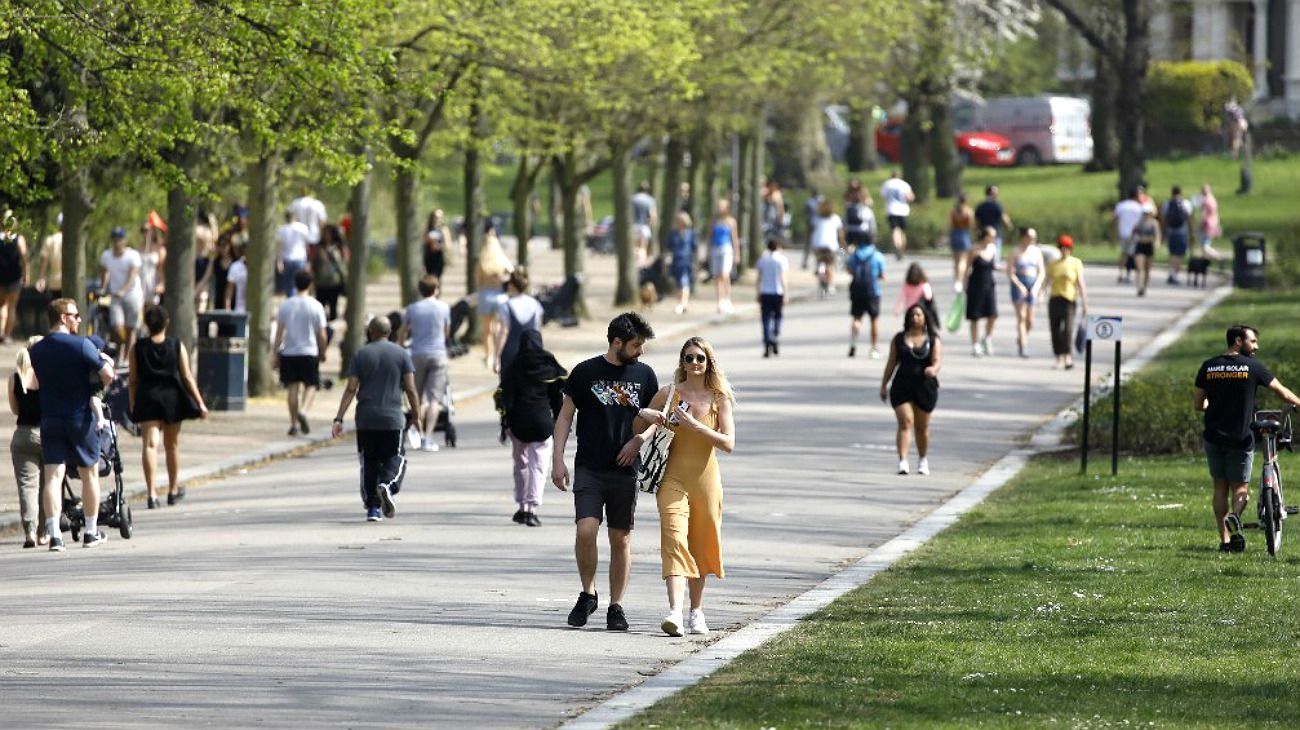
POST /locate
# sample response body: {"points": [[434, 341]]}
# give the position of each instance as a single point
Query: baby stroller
{"points": [[113, 509]]}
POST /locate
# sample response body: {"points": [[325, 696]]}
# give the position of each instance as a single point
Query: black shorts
{"points": [[1145, 249], [897, 221], [303, 369], [606, 495], [860, 305]]}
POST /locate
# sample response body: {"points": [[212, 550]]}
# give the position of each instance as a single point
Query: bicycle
{"points": [[1274, 428]]}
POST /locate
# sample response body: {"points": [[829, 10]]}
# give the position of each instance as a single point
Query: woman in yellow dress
{"points": [[690, 496]]}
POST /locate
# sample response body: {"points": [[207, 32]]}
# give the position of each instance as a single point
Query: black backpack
{"points": [[853, 215], [1175, 214]]}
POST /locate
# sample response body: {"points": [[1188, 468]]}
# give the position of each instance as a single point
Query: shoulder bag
{"points": [[654, 453]]}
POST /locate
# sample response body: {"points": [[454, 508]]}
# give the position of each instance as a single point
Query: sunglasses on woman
{"points": [[693, 359]]}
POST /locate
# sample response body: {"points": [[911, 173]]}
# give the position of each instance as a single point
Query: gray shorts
{"points": [[606, 495], [125, 311], [1228, 463], [431, 377]]}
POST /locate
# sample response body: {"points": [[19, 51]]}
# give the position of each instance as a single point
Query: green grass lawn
{"points": [[1063, 601]]}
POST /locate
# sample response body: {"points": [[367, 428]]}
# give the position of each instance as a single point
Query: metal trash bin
{"points": [[223, 359], [1248, 258]]}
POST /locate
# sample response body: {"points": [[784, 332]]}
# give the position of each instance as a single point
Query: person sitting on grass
{"points": [[1225, 392]]}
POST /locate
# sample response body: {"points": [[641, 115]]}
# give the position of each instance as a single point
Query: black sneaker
{"points": [[56, 544], [389, 506], [1237, 544], [532, 520], [519, 517], [302, 424], [99, 538], [586, 605], [853, 350], [1225, 547], [614, 618]]}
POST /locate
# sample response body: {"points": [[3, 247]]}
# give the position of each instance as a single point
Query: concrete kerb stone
{"points": [[627, 704]]}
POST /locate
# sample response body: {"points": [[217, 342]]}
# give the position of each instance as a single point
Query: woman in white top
{"points": [[1027, 272], [493, 267], [827, 238]]}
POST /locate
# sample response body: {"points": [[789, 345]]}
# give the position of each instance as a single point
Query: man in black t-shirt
{"points": [[607, 392], [1225, 392], [991, 214]]}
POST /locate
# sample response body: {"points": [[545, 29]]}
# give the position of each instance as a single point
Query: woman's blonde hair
{"points": [[24, 362], [714, 379], [492, 259]]}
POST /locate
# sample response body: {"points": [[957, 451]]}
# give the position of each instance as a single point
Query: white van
{"points": [[1043, 129]]}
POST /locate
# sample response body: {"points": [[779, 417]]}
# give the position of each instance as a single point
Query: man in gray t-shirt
{"points": [[428, 325], [378, 376]]}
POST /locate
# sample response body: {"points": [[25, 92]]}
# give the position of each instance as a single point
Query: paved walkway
{"points": [[230, 440], [265, 600]]}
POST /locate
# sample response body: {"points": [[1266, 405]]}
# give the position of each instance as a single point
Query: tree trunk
{"points": [[669, 193], [800, 157], [410, 262], [626, 272], [943, 151], [915, 151], [1103, 115], [552, 213], [869, 135], [693, 179], [178, 270], [263, 176], [473, 187], [77, 205], [354, 338], [740, 197], [858, 156], [708, 198], [1132, 90], [520, 191], [654, 161], [757, 164]]}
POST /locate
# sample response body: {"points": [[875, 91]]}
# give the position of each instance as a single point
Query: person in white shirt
{"points": [[427, 324], [292, 238], [773, 292], [299, 350], [237, 281], [121, 282], [898, 197], [311, 213], [519, 312], [1128, 213], [827, 238]]}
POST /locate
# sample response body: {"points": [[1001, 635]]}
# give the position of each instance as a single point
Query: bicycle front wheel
{"points": [[1271, 519]]}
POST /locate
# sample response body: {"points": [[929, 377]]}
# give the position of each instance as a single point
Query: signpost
{"points": [[1104, 329]]}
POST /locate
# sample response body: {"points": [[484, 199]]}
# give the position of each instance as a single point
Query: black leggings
{"points": [[1060, 314], [328, 296]]}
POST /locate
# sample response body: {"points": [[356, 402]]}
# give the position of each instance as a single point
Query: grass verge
{"points": [[1064, 600]]}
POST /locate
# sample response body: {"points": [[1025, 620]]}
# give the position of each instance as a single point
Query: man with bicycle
{"points": [[1225, 392]]}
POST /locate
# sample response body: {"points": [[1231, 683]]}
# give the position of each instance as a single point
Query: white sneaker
{"points": [[976, 350], [679, 309], [903, 467], [427, 444], [988, 346], [695, 622], [672, 623], [875, 353], [923, 467]]}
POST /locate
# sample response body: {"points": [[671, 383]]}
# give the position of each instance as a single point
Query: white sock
{"points": [[52, 526], [92, 522]]}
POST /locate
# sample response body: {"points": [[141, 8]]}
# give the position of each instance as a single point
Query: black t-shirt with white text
{"points": [[607, 398], [1229, 382]]}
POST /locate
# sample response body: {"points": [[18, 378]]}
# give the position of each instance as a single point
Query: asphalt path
{"points": [[265, 599]]}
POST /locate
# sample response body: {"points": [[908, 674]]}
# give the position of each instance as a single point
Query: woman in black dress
{"points": [[162, 393], [915, 356], [436, 238], [981, 291]]}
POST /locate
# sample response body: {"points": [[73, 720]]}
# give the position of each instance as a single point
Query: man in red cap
{"points": [[1068, 289]]}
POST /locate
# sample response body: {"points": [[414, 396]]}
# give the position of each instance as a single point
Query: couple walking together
{"points": [[619, 404]]}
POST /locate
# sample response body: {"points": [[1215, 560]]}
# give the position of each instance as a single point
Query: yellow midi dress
{"points": [[690, 503]]}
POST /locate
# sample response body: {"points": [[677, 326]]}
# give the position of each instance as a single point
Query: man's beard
{"points": [[624, 358]]}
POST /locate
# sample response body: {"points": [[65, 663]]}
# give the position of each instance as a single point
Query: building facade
{"points": [[1262, 34]]}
